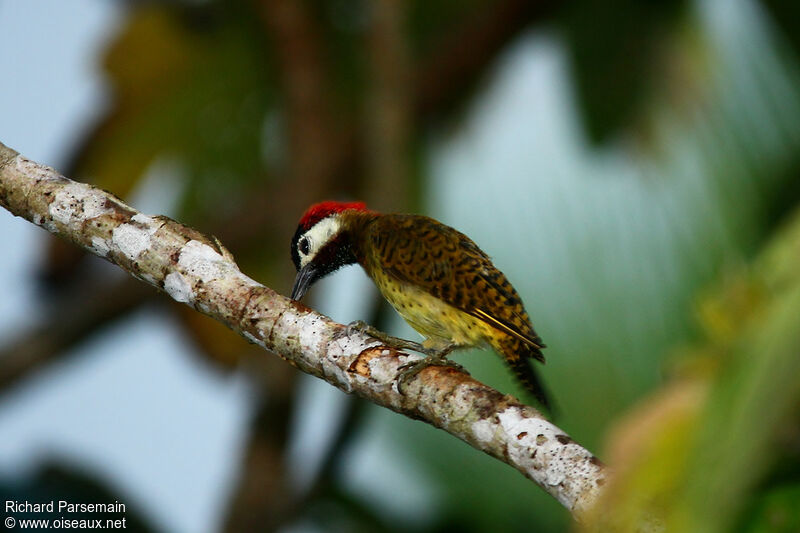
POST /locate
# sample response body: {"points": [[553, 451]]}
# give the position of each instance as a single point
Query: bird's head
{"points": [[320, 244]]}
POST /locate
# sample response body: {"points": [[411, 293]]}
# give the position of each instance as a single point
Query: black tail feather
{"points": [[529, 377]]}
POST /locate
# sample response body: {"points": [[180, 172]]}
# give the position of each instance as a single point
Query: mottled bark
{"points": [[198, 271]]}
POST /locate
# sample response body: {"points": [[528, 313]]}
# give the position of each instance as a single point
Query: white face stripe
{"points": [[318, 236]]}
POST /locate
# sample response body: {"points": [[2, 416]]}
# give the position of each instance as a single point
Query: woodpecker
{"points": [[436, 278]]}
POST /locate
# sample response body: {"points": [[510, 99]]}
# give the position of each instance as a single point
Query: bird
{"points": [[434, 276]]}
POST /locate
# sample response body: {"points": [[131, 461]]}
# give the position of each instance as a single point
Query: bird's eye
{"points": [[303, 246]]}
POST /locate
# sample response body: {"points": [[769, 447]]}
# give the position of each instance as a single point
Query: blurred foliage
{"points": [[719, 446], [785, 16], [258, 109], [55, 482], [616, 55], [189, 86]]}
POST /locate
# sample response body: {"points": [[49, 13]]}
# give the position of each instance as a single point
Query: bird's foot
{"points": [[359, 326], [434, 356], [409, 370], [395, 342]]}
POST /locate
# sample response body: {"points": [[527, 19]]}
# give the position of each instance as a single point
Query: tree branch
{"points": [[197, 270]]}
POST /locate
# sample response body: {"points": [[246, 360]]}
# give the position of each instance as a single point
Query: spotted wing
{"points": [[447, 264]]}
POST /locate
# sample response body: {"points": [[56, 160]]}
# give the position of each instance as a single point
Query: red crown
{"points": [[317, 212]]}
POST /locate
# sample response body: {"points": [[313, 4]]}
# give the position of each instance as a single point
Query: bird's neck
{"points": [[354, 228]]}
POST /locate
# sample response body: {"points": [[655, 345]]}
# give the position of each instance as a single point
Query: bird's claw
{"points": [[411, 369], [359, 326]]}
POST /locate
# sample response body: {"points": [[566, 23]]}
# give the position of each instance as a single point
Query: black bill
{"points": [[305, 278]]}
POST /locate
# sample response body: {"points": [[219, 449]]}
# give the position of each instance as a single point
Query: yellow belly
{"points": [[440, 323]]}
